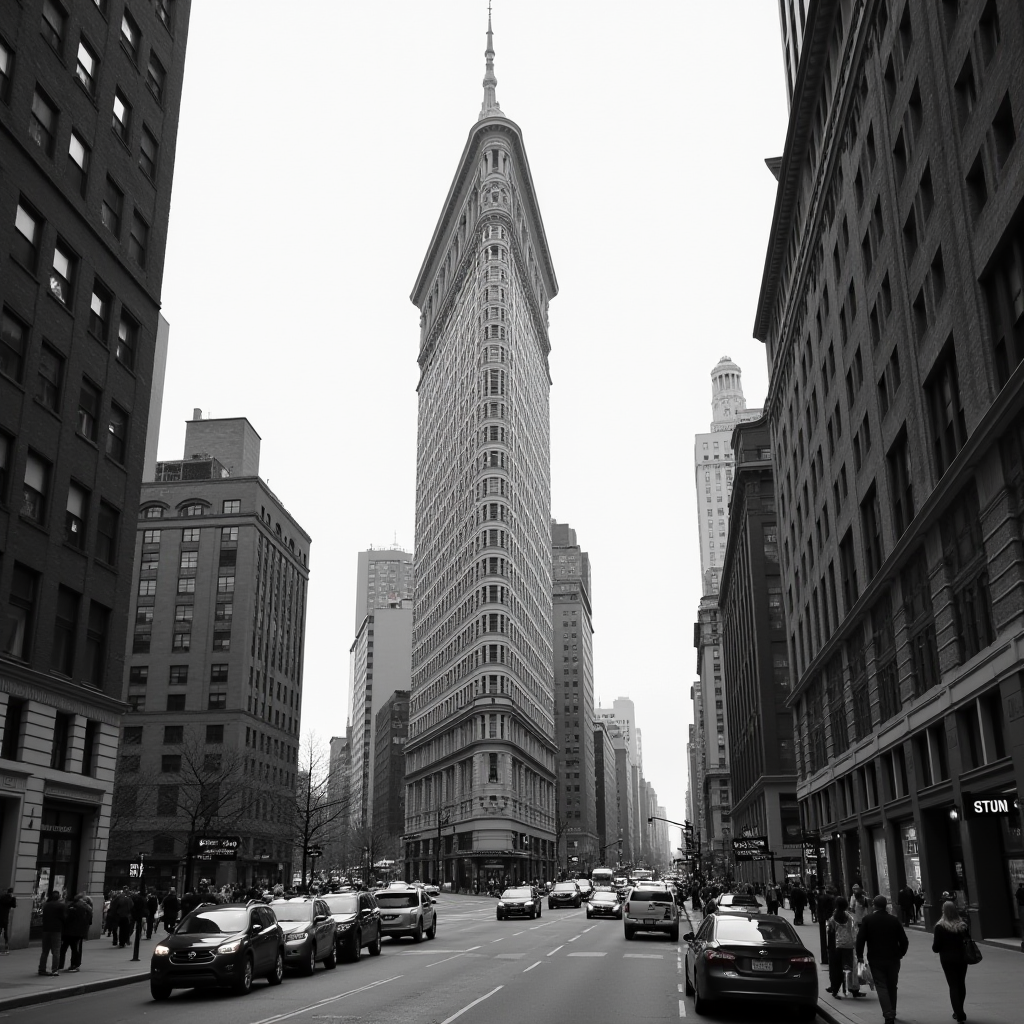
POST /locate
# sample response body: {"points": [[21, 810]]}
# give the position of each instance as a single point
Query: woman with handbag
{"points": [[952, 941]]}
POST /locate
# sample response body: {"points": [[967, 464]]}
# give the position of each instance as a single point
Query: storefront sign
{"points": [[217, 847], [75, 793], [988, 805]]}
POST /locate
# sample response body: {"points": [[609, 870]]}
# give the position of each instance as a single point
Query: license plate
{"points": [[761, 965], [649, 920], [389, 917]]}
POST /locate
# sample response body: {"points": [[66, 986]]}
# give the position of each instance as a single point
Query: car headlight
{"points": [[500, 904], [296, 933], [230, 947], [161, 951]]}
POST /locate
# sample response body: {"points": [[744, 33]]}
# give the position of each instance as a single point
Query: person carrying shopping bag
{"points": [[842, 939]]}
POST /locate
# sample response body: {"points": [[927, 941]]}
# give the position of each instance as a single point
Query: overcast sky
{"points": [[315, 150]]}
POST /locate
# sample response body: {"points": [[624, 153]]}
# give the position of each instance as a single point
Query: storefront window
{"points": [[60, 837], [881, 863], [911, 856], [1013, 845]]}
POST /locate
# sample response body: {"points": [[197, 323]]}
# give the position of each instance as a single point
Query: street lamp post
{"points": [[443, 818], [366, 869]]}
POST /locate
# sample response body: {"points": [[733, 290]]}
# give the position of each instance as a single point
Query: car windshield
{"points": [[347, 904], [604, 897], [565, 887], [745, 929], [293, 911], [214, 922], [651, 895], [398, 899], [517, 894]]}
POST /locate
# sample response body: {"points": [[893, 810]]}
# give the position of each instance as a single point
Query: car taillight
{"points": [[802, 960], [717, 954]]}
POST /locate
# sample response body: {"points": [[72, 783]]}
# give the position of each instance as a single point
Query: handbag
{"points": [[972, 952]]}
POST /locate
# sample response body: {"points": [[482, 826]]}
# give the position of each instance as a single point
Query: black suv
{"points": [[226, 944], [356, 923]]}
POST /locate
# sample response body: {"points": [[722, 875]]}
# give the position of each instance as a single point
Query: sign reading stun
{"points": [[985, 805]]}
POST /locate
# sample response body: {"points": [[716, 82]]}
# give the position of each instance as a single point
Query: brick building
{"points": [[890, 309], [89, 101]]}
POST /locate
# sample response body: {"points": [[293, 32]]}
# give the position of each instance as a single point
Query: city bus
{"points": [[602, 877]]}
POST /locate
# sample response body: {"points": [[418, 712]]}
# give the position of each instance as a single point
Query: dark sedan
{"points": [[756, 957], [604, 903], [565, 894], [523, 900]]}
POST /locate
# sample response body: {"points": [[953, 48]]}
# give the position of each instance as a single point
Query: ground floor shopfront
{"points": [[58, 744], [467, 865]]}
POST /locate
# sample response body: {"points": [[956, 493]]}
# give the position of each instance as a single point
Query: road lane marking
{"points": [[574, 938], [470, 1006], [471, 948], [682, 1007], [586, 954], [531, 967], [330, 999], [446, 959], [590, 929], [502, 939], [510, 956], [555, 950], [679, 988], [643, 956], [514, 934]]}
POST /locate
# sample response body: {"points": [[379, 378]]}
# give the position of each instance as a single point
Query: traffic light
{"points": [[688, 834]]}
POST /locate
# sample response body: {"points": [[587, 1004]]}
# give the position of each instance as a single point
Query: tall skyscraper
{"points": [[392, 732], [891, 311], [573, 645], [214, 667], [481, 750], [89, 101], [380, 660]]}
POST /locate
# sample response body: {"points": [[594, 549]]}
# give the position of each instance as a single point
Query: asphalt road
{"points": [[477, 970]]}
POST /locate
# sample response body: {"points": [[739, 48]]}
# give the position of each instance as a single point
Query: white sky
{"points": [[314, 154]]}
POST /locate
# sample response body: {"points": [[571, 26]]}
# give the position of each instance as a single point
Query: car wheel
{"points": [[159, 992], [628, 932], [589, 915], [276, 976], [700, 1004], [355, 947], [432, 930], [331, 960], [498, 915], [243, 985], [551, 905], [533, 913], [417, 936], [375, 945], [310, 966], [686, 979], [674, 934]]}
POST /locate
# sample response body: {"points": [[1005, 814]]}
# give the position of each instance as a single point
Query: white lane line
{"points": [[470, 1006], [510, 956], [590, 929], [322, 1002], [574, 938], [446, 959], [586, 954], [682, 1007], [531, 967], [679, 988], [555, 950], [502, 939], [471, 948], [643, 956], [514, 934]]}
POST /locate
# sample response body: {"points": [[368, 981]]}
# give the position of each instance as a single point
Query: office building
{"points": [[572, 643], [392, 732], [755, 657], [605, 796], [89, 103], [481, 749], [338, 845], [890, 311], [213, 668]]}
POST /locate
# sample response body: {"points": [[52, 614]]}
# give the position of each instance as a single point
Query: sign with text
{"points": [[217, 847], [990, 805], [748, 847]]}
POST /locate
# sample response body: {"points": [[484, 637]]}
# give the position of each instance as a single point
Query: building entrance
{"points": [[57, 857]]}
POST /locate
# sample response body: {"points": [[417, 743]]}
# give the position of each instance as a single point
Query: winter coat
{"points": [[151, 905], [171, 906], [121, 906], [884, 937], [949, 944], [77, 920], [53, 915], [826, 904]]}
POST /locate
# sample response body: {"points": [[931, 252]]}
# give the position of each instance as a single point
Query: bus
{"points": [[641, 874], [602, 877]]}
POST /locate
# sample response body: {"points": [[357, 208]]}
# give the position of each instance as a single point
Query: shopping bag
{"points": [[864, 974]]}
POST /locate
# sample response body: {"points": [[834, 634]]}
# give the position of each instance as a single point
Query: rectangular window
{"points": [[6, 457], [138, 240], [225, 584], [28, 230], [12, 345], [181, 642], [917, 607], [131, 36], [50, 378], [946, 410], [175, 702], [189, 561], [173, 734], [78, 163], [42, 124], [147, 588], [106, 533], [871, 530], [53, 23], [88, 410], [110, 208], [165, 12], [75, 516], [10, 748], [65, 626], [121, 120], [88, 64], [190, 536], [96, 643], [232, 506], [215, 734], [92, 731], [6, 70], [848, 572], [117, 433], [62, 276], [1004, 294], [99, 311], [492, 768], [127, 339], [218, 673], [186, 585], [178, 675], [61, 741], [167, 801], [155, 78], [36, 489], [147, 153]]}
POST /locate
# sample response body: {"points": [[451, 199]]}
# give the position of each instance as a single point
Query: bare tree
{"points": [[316, 812]]}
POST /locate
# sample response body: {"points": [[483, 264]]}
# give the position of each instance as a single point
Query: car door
{"points": [[323, 928], [697, 945], [369, 918], [261, 940]]}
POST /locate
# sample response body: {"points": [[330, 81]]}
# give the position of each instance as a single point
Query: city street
{"points": [[560, 967]]}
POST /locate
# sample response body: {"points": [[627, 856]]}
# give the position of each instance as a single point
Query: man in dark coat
{"points": [[152, 903], [172, 906], [905, 899], [53, 924], [798, 900], [826, 907], [77, 919], [887, 945], [121, 909], [7, 904]]}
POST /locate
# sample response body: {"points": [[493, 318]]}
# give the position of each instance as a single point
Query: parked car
{"points": [[752, 957], [649, 907], [565, 894], [226, 945], [409, 911], [356, 919], [308, 932], [522, 901]]}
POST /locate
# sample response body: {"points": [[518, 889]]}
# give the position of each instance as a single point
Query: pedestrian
{"points": [[842, 937], [121, 908], [887, 945], [858, 904], [171, 907], [797, 902], [918, 903], [905, 899], [54, 912], [826, 907], [812, 904], [138, 913], [109, 918], [1019, 896], [77, 921], [7, 904], [948, 941], [152, 904], [772, 897]]}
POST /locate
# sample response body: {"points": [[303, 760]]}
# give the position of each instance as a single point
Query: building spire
{"points": [[489, 107]]}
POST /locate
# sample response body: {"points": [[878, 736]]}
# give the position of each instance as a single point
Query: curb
{"points": [[44, 996]]}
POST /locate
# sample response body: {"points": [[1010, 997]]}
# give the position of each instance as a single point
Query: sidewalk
{"points": [[103, 966]]}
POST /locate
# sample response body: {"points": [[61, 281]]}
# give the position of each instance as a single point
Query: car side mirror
{"points": [[432, 900], [319, 918], [256, 927], [688, 937]]}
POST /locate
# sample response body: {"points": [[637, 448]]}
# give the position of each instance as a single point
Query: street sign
{"points": [[217, 847], [314, 850], [135, 870], [750, 847]]}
